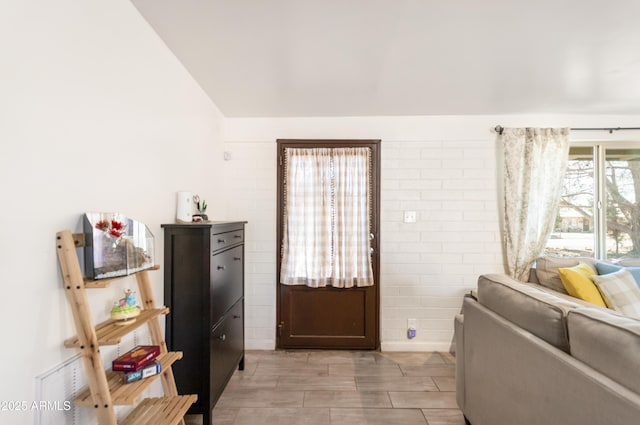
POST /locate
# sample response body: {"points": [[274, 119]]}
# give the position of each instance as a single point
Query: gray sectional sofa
{"points": [[528, 355]]}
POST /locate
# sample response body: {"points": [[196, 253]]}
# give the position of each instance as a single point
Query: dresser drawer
{"points": [[221, 241], [227, 348], [227, 274]]}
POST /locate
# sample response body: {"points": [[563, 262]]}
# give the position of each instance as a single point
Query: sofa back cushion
{"points": [[547, 270], [532, 309], [608, 342]]}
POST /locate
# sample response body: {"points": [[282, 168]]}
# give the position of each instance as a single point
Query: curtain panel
{"points": [[535, 161], [327, 217]]}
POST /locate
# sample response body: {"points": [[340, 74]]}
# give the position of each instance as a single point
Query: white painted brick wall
{"points": [[456, 235], [249, 193], [442, 167], [426, 267]]}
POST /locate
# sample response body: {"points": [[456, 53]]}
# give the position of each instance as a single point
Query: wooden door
{"points": [[330, 317]]}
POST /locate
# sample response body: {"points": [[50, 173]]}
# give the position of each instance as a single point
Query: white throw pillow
{"points": [[620, 292], [547, 270]]}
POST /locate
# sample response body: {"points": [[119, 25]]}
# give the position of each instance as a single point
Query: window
{"points": [[599, 212]]}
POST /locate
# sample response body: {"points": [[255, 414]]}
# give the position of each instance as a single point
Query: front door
{"points": [[329, 317]]}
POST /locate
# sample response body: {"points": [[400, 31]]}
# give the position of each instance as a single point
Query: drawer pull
{"points": [[221, 241], [237, 258], [237, 236], [222, 337], [220, 267], [236, 316]]}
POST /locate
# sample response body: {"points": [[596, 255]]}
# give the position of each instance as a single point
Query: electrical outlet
{"points": [[412, 328]]}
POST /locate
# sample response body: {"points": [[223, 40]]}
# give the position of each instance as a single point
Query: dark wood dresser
{"points": [[204, 289]]}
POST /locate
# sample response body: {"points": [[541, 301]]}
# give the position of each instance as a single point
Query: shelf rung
{"points": [[109, 333], [160, 411], [127, 394]]}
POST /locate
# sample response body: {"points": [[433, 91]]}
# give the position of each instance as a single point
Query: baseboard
{"points": [[415, 346], [259, 344], [268, 344]]}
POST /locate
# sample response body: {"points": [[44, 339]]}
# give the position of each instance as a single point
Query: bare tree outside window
{"points": [[623, 202], [576, 233]]}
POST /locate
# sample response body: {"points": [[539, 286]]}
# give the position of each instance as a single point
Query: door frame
{"points": [[374, 145]]}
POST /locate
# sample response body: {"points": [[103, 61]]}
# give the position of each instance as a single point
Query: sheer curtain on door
{"points": [[327, 217]]}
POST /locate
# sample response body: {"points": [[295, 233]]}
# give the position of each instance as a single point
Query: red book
{"points": [[136, 359]]}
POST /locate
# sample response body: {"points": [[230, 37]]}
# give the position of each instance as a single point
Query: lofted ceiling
{"points": [[260, 58]]}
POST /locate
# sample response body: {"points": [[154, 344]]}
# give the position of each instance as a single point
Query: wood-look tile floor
{"points": [[339, 388]]}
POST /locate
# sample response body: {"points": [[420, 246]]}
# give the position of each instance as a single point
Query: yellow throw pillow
{"points": [[577, 281]]}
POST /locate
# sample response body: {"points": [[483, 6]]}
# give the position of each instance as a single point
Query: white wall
{"points": [[96, 114], [442, 167]]}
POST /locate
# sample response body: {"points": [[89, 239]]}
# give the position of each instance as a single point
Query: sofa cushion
{"points": [[608, 342], [606, 268], [547, 270], [533, 309], [620, 292], [577, 281]]}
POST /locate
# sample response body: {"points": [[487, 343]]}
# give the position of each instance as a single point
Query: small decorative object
{"points": [[116, 246], [124, 311], [201, 206], [184, 209]]}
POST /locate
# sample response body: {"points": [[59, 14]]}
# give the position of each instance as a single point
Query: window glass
{"points": [[622, 208], [609, 177], [573, 233]]}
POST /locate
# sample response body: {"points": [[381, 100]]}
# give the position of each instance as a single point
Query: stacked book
{"points": [[138, 363]]}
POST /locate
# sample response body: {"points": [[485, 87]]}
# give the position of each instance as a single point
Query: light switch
{"points": [[410, 216]]}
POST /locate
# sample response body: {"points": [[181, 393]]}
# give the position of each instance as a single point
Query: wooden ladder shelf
{"points": [[106, 388]]}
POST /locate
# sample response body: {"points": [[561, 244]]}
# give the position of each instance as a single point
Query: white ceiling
{"points": [[260, 58]]}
